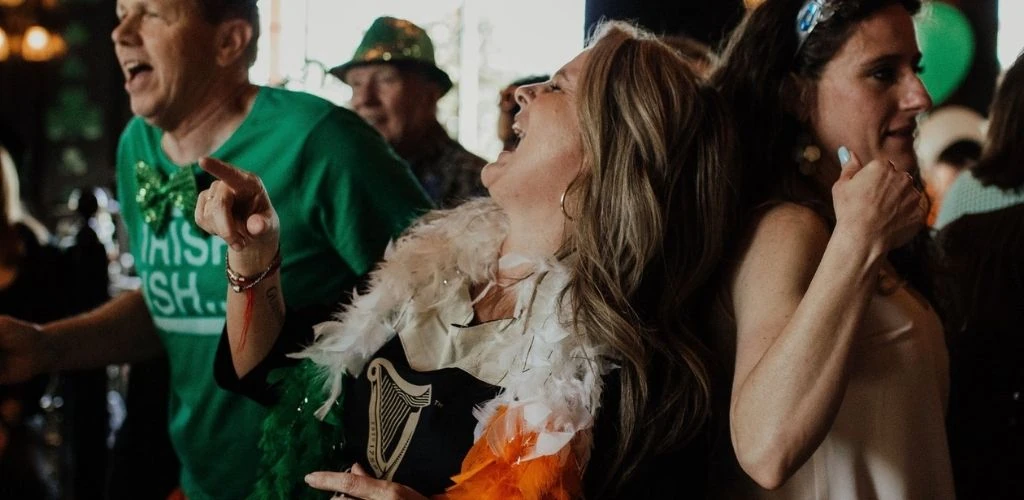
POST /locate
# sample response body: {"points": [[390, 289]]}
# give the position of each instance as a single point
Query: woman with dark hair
{"points": [[537, 344], [983, 260], [838, 361], [997, 181]]}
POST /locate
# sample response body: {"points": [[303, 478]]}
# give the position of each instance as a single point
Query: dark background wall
{"points": [[707, 21], [66, 113]]}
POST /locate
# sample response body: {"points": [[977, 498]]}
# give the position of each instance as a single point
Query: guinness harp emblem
{"points": [[395, 407]]}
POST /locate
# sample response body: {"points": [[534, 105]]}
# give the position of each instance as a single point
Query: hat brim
{"points": [[435, 74]]}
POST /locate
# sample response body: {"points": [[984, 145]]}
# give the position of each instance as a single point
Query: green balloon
{"points": [[947, 48]]}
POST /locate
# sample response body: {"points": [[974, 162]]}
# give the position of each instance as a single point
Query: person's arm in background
{"points": [[116, 332]]}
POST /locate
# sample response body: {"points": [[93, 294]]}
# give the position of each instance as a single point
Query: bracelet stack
{"points": [[241, 283]]}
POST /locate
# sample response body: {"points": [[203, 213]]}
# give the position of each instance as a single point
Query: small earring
{"points": [[808, 159], [561, 203]]}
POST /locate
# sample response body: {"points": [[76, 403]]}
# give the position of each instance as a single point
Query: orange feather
{"points": [[489, 474]]}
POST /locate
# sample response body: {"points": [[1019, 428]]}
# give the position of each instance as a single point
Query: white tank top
{"points": [[888, 440]]}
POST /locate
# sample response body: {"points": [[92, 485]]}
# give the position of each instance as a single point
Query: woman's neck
{"points": [[533, 239], [517, 261]]}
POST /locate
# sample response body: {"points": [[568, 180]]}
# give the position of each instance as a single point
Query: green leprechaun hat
{"points": [[399, 42]]}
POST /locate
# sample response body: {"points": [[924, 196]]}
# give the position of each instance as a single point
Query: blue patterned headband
{"points": [[812, 13]]}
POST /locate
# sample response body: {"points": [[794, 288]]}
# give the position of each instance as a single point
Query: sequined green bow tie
{"points": [[158, 195]]}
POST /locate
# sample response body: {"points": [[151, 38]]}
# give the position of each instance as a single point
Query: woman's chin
{"points": [[491, 172]]}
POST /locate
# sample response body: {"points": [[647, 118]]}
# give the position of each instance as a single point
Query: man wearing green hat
{"points": [[395, 87]]}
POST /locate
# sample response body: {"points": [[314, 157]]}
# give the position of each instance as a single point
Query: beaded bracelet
{"points": [[241, 283]]}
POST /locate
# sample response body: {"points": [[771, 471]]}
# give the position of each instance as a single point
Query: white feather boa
{"points": [[553, 374]]}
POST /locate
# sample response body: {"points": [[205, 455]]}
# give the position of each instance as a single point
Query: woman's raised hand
{"points": [[237, 208], [877, 202]]}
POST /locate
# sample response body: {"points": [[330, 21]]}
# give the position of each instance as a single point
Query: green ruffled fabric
{"points": [[294, 442]]}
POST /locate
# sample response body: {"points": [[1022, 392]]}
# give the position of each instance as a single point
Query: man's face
{"points": [[166, 51], [399, 103]]}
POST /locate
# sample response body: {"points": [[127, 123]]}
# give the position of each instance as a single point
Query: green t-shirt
{"points": [[341, 195]]}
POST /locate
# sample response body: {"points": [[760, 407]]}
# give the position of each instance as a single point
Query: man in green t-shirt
{"points": [[343, 191]]}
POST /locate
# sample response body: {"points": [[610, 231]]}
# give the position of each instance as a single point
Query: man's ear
{"points": [[233, 36], [798, 96], [430, 88], [435, 92]]}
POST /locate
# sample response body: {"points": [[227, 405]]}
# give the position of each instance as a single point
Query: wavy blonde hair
{"points": [[13, 212], [654, 203]]}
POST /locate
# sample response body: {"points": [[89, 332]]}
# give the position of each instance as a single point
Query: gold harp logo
{"points": [[395, 407]]}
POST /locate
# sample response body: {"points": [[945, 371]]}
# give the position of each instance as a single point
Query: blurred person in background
{"points": [[982, 250], [395, 87], [949, 142], [85, 391], [995, 182], [33, 287]]}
